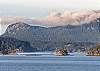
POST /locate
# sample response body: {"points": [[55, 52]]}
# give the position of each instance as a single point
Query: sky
{"points": [[40, 8]]}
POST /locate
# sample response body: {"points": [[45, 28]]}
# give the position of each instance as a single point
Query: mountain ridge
{"points": [[49, 38]]}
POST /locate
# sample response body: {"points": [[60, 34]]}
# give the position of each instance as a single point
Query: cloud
{"points": [[1, 12], [76, 17], [55, 3]]}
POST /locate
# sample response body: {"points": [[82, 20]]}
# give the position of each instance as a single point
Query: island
{"points": [[60, 52]]}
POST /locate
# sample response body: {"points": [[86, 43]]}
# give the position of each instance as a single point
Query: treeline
{"points": [[11, 45]]}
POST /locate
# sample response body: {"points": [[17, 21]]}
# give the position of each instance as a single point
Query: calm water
{"points": [[49, 63]]}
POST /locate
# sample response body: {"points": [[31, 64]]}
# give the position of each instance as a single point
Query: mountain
{"points": [[8, 44], [49, 38], [25, 32], [75, 28]]}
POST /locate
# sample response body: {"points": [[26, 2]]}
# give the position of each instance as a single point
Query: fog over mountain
{"points": [[75, 17]]}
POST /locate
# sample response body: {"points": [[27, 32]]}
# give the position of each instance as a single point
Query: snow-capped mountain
{"points": [[5, 21], [54, 19], [71, 17], [75, 17]]}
